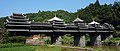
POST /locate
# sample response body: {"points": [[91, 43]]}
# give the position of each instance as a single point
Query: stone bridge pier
{"points": [[107, 36], [79, 40], [95, 39], [56, 40]]}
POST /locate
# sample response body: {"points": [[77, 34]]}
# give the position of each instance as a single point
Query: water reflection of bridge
{"points": [[18, 24]]}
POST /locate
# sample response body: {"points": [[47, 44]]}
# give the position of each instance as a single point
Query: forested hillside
{"points": [[95, 11]]}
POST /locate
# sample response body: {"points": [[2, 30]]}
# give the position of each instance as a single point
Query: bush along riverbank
{"points": [[112, 42]]}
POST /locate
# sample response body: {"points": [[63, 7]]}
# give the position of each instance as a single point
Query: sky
{"points": [[7, 7]]}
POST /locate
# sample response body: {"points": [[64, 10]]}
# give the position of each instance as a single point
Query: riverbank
{"points": [[24, 47], [106, 48]]}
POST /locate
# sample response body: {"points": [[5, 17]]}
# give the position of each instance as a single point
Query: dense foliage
{"points": [[107, 13], [101, 13], [5, 38]]}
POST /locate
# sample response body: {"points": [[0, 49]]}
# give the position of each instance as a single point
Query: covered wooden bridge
{"points": [[18, 24]]}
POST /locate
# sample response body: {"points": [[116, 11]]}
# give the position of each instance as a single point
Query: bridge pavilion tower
{"points": [[79, 38], [57, 24], [95, 38], [17, 24]]}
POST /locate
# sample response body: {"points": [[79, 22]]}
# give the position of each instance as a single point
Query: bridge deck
{"points": [[62, 31]]}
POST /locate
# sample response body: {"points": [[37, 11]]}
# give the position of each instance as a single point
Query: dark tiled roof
{"points": [[55, 25]]}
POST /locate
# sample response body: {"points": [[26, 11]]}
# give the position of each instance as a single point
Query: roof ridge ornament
{"points": [[55, 18], [78, 20], [77, 16], [94, 22], [55, 15]]}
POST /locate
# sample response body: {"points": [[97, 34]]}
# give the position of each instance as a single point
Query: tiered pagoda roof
{"points": [[94, 25], [18, 18], [57, 22], [18, 22]]}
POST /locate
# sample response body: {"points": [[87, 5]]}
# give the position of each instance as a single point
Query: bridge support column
{"points": [[95, 40], [79, 40], [107, 36], [110, 36], [56, 40], [53, 39]]}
